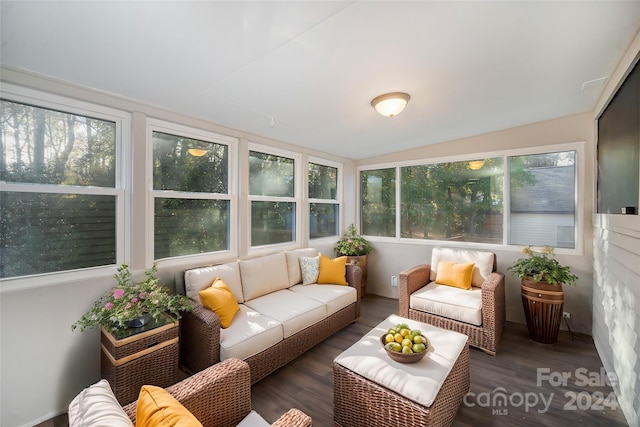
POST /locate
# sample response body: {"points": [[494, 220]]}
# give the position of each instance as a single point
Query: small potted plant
{"points": [[356, 248], [542, 278], [131, 305]]}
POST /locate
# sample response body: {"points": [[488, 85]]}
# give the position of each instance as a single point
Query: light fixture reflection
{"points": [[474, 165], [390, 104], [197, 152]]}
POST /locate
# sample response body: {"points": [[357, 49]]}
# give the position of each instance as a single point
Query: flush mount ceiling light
{"points": [[197, 152], [390, 104], [474, 165]]}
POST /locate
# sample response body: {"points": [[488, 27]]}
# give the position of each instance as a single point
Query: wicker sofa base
{"points": [[478, 336], [359, 402]]}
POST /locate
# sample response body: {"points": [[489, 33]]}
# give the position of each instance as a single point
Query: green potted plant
{"points": [[130, 305], [541, 280], [356, 248]]}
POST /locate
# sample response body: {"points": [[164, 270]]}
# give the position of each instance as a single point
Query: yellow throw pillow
{"points": [[452, 274], [157, 408], [333, 271], [219, 298]]}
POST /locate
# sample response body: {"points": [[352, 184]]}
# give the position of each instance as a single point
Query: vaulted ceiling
{"points": [[305, 72]]}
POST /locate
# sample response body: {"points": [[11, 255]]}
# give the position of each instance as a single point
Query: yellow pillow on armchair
{"points": [[455, 274], [156, 407]]}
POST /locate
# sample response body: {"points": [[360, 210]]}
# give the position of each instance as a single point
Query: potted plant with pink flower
{"points": [[131, 304]]}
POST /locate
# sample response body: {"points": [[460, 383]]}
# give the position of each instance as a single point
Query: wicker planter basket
{"points": [[360, 261], [542, 305]]}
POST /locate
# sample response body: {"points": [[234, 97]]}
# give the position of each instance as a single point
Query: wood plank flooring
{"points": [[307, 382]]}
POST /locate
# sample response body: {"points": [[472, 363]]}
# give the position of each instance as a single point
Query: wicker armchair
{"points": [[486, 335], [220, 396]]}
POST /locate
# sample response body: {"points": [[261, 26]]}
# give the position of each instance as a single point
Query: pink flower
{"points": [[128, 306], [134, 300], [142, 295], [118, 293], [108, 306]]}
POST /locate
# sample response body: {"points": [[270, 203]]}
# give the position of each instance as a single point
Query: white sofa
{"points": [[279, 317]]}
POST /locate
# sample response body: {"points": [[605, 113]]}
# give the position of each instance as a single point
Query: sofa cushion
{"points": [[483, 262], [293, 265], [218, 298], [295, 311], [197, 279], [447, 301], [97, 406], [310, 267], [454, 274], [263, 275], [249, 334], [156, 407], [333, 271], [334, 297]]}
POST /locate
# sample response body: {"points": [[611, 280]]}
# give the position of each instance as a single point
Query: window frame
{"points": [[158, 125], [337, 201], [298, 180], [579, 200], [122, 184]]}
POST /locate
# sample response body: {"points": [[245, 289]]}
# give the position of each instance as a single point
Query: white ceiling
{"points": [[470, 67]]}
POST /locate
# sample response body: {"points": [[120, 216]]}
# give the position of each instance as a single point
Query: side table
{"points": [[134, 357]]}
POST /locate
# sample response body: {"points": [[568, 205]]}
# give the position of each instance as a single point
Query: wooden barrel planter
{"points": [[542, 305], [361, 261]]}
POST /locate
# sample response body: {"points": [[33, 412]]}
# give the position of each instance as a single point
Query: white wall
{"points": [[43, 364], [389, 258], [616, 294]]}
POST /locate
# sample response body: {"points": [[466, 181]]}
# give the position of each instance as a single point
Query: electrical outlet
{"points": [[566, 315], [394, 281]]}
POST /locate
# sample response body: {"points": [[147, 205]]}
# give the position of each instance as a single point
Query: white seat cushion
{"points": [[253, 420], [483, 262], [335, 297], [420, 381], [249, 333], [295, 311], [447, 301]]}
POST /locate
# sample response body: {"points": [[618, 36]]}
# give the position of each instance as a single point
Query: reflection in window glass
{"points": [[543, 198], [323, 220], [272, 222], [186, 164], [323, 182], [459, 201], [378, 198], [270, 175], [190, 226]]}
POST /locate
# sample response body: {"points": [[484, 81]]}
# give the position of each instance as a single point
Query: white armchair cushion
{"points": [[97, 406], [483, 262], [253, 420], [447, 301]]}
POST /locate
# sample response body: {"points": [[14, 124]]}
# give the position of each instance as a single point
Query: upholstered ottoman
{"points": [[370, 389]]}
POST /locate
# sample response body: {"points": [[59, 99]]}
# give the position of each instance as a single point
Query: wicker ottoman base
{"points": [[359, 401]]}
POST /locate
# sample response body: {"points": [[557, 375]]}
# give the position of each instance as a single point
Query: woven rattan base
{"points": [[359, 402]]}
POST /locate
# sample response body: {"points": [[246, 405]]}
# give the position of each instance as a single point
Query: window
{"points": [[61, 202], [543, 198], [535, 195], [272, 198], [324, 208], [452, 201], [378, 198], [191, 191]]}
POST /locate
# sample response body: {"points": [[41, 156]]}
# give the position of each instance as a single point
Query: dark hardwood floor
{"points": [[307, 382]]}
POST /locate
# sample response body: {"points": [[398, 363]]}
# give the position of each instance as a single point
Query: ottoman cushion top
{"points": [[419, 382]]}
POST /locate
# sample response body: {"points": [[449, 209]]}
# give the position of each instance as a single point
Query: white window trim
{"points": [[298, 180], [577, 146], [122, 135], [156, 125]]}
